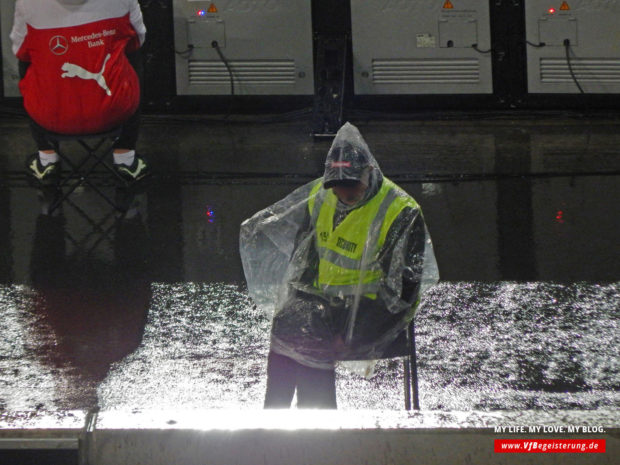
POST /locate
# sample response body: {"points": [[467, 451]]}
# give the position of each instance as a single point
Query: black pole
{"points": [[414, 365], [407, 383]]}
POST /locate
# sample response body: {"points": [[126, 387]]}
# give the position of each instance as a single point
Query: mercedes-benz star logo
{"points": [[59, 45]]}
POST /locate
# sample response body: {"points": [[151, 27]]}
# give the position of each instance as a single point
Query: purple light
{"points": [[210, 214]]}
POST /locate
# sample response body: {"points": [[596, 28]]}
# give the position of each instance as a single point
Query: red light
{"points": [[559, 217], [551, 11], [210, 214], [201, 12]]}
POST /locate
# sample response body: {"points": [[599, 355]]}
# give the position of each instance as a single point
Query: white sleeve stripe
{"points": [[18, 33], [136, 20], [46, 14]]}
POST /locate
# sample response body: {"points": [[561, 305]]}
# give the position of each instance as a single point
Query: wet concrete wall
{"points": [[303, 437], [491, 191], [400, 446]]}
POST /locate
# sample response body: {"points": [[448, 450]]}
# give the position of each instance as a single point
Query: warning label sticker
{"points": [[425, 41]]}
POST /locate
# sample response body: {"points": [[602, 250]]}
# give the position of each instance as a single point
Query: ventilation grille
{"points": [[601, 70], [426, 71], [256, 73]]}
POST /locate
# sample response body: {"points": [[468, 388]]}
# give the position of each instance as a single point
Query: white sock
{"points": [[125, 158], [47, 158]]}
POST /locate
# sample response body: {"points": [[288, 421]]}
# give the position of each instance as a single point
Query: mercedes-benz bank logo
{"points": [[59, 45]]}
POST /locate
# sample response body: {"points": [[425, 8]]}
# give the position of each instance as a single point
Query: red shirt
{"points": [[79, 80]]}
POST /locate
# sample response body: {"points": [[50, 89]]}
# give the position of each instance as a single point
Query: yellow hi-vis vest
{"points": [[355, 243]]}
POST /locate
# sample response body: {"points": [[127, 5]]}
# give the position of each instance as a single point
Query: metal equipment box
{"points": [[421, 47], [10, 73], [581, 45], [265, 44]]}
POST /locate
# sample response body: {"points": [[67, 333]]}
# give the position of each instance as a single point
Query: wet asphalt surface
{"points": [[149, 310]]}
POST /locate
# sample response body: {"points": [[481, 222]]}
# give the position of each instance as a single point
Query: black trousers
{"points": [[315, 329], [316, 388], [127, 139], [129, 129]]}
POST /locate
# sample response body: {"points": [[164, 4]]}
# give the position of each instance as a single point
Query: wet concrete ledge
{"points": [[305, 437]]}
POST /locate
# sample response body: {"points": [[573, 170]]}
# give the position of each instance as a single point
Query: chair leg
{"points": [[79, 176], [407, 382], [414, 365]]}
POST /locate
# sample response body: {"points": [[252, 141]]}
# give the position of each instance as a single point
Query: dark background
{"points": [[332, 19]]}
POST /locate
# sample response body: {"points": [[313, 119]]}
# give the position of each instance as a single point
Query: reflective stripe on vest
{"points": [[355, 243]]}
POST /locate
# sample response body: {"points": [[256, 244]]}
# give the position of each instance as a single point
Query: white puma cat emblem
{"points": [[71, 70]]}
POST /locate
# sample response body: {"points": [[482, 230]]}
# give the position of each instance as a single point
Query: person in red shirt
{"points": [[80, 65]]}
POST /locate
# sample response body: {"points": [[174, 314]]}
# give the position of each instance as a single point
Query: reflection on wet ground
{"points": [[148, 310], [520, 346], [481, 346]]}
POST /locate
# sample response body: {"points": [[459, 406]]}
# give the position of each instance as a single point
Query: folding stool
{"points": [[97, 147]]}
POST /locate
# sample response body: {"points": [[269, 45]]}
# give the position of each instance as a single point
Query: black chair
{"points": [[97, 152]]}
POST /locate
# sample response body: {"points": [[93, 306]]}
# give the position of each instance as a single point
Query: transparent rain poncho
{"points": [[320, 315]]}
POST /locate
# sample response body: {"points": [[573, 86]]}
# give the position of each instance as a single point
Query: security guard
{"points": [[359, 258]]}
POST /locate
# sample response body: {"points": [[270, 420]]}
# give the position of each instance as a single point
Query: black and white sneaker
{"points": [[139, 169], [46, 175]]}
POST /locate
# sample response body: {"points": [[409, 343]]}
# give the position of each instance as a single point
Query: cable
{"points": [[216, 46], [185, 53], [17, 178], [570, 66], [444, 115], [538, 45], [206, 178], [475, 47], [238, 119]]}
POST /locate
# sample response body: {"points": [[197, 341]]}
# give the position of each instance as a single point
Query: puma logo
{"points": [[136, 173], [71, 70], [41, 174]]}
